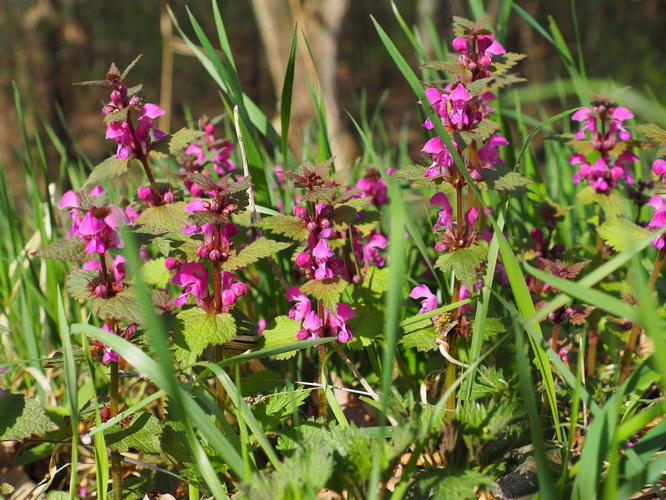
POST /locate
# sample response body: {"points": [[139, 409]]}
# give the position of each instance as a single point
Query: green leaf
{"points": [[21, 417], [183, 138], [109, 168], [169, 217], [464, 262], [67, 249], [290, 226], [450, 67], [327, 290], [415, 175], [365, 326], [143, 433], [611, 204], [57, 495], [258, 249], [119, 115], [501, 63], [503, 181], [653, 132], [343, 216], [284, 333], [621, 234], [420, 335], [78, 284], [155, 273], [277, 408], [122, 306], [441, 484], [376, 281], [194, 329]]}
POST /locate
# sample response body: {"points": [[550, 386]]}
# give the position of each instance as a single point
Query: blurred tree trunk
{"points": [[321, 22]]}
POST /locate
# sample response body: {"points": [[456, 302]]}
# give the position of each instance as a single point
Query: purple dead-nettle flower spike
{"points": [[322, 253], [445, 218], [194, 278], [303, 305], [429, 302]]}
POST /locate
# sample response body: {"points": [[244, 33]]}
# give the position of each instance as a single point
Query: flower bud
{"points": [[300, 212], [134, 101], [130, 331], [324, 223], [117, 98], [109, 108], [239, 289], [228, 298], [312, 227], [171, 263], [441, 247], [202, 252], [144, 193], [326, 233], [325, 210], [215, 256], [168, 197], [100, 291], [304, 260]]}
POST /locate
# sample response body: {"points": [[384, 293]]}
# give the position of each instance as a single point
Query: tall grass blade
{"points": [[71, 387], [285, 98]]}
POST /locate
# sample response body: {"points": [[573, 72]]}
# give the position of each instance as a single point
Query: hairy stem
{"points": [[116, 467], [629, 349], [594, 319], [323, 369]]}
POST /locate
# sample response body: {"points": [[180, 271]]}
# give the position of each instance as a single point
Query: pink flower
{"points": [[489, 154], [194, 278], [445, 218], [371, 250], [429, 302], [659, 219], [322, 253], [459, 98], [303, 306]]}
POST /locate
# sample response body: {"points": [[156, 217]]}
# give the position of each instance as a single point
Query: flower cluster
{"points": [[603, 126], [94, 221], [317, 260], [135, 142], [452, 235], [460, 110], [317, 326]]}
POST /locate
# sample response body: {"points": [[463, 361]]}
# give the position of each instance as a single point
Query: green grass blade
{"points": [[245, 411], [546, 489], [591, 296], [285, 98], [71, 387]]}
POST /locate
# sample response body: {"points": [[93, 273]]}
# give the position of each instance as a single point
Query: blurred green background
{"points": [[48, 44]]}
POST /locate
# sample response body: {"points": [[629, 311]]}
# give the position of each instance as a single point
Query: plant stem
{"points": [[594, 320], [625, 363], [220, 393], [116, 466], [323, 369]]}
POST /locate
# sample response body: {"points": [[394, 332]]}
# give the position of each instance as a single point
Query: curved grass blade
{"points": [[546, 489], [285, 98], [71, 387]]}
